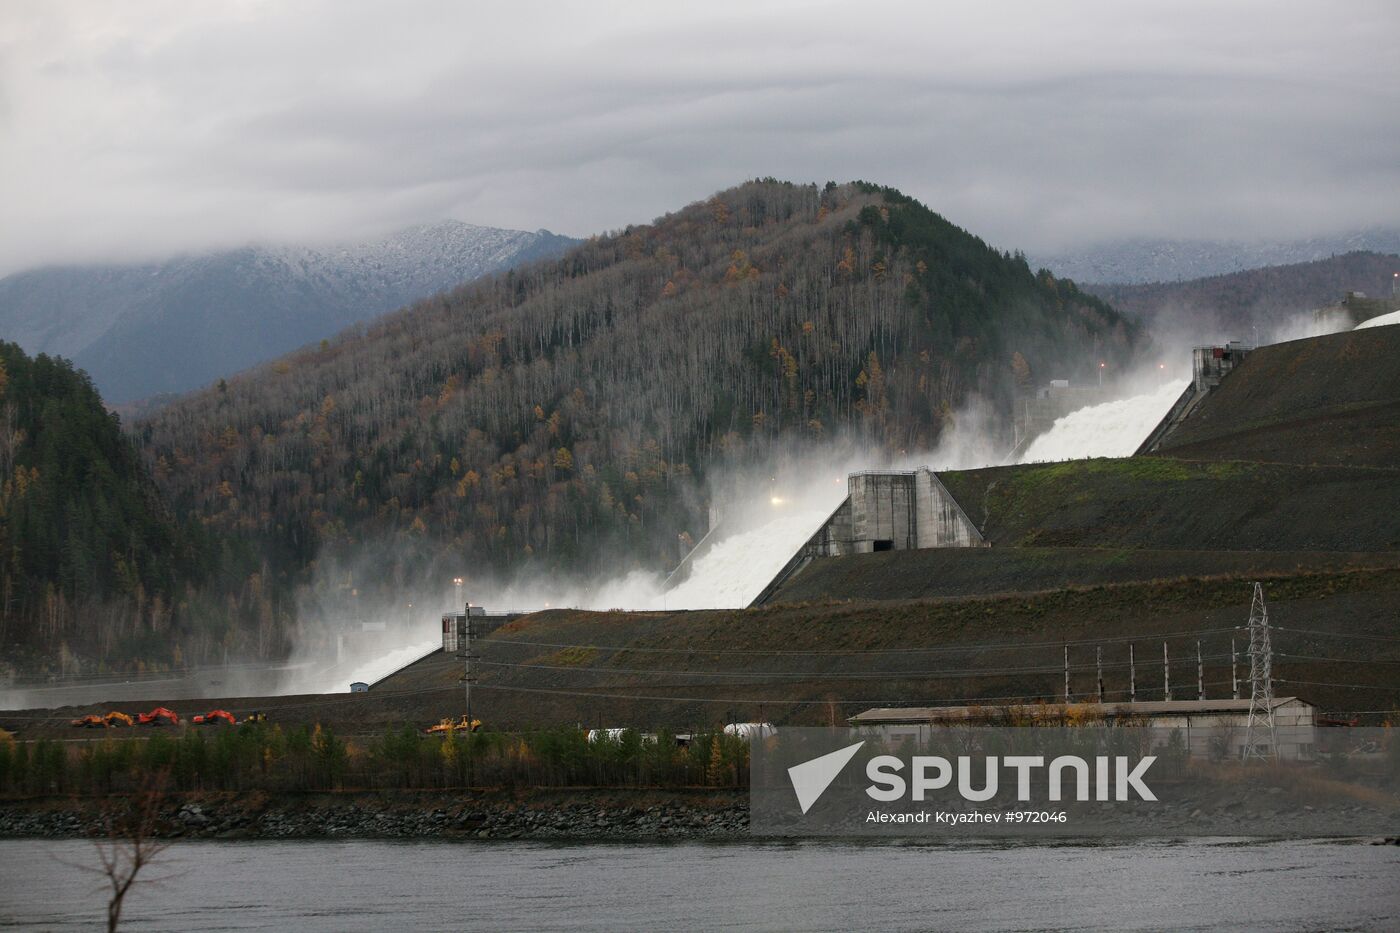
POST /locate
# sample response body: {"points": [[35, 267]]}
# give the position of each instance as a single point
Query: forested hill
{"points": [[570, 408], [82, 530]]}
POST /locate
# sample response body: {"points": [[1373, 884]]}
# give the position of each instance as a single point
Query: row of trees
{"points": [[258, 756]]}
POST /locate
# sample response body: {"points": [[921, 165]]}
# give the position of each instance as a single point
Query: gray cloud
{"points": [[142, 128]]}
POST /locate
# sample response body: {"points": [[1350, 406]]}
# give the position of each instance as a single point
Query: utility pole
{"points": [[1234, 673], [1166, 674], [1260, 742], [1132, 676], [465, 655], [1098, 663], [1200, 673], [1066, 674]]}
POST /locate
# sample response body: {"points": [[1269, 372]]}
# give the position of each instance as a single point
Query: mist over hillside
{"points": [[164, 327], [1141, 261], [1259, 305]]}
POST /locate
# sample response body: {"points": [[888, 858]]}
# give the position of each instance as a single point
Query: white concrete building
{"points": [[1211, 728]]}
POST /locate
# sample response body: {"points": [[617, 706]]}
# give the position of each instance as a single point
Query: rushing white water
{"points": [[726, 576], [736, 569], [762, 530], [1113, 429], [380, 667], [368, 669], [1385, 319]]}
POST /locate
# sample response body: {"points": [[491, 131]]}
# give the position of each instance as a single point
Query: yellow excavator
{"points": [[115, 718], [454, 725]]}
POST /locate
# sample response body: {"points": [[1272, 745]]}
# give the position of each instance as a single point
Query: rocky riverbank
{"points": [[543, 814]]}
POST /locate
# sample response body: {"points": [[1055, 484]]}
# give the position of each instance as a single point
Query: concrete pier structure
{"points": [[886, 511]]}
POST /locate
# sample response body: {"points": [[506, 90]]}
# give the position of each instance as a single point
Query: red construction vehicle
{"points": [[160, 716], [214, 717]]}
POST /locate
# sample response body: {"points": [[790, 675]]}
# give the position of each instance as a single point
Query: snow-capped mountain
{"points": [[153, 328], [1139, 261]]}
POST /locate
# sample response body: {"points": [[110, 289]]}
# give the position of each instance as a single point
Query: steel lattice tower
{"points": [[1260, 742]]}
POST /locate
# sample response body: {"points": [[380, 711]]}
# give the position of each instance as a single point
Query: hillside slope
{"points": [[140, 330], [1328, 400], [564, 413]]}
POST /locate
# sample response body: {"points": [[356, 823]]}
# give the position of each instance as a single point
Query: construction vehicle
{"points": [[98, 721], [454, 725], [256, 715], [214, 717], [160, 716]]}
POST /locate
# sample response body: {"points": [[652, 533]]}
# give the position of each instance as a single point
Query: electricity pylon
{"points": [[1260, 741]]}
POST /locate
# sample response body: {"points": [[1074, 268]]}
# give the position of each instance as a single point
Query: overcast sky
{"points": [[139, 128]]}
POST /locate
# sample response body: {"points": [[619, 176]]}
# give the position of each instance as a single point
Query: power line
{"points": [[986, 646], [1312, 631], [768, 700], [1318, 683], [954, 673], [1318, 657]]}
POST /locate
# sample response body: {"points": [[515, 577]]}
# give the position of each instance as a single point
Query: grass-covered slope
{"points": [[940, 573], [1164, 503]]}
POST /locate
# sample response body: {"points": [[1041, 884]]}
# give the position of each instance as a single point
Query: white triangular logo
{"points": [[811, 778]]}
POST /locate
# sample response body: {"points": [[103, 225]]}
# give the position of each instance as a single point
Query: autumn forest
{"points": [[555, 417]]}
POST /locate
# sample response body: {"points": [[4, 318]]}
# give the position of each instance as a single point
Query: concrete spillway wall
{"points": [[888, 511], [1210, 365], [885, 511]]}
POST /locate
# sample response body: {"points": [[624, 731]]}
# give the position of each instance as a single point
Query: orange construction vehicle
{"points": [[160, 716], [214, 717], [118, 718], [451, 725]]}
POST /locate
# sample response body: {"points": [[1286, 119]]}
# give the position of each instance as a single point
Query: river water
{"points": [[379, 885]]}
